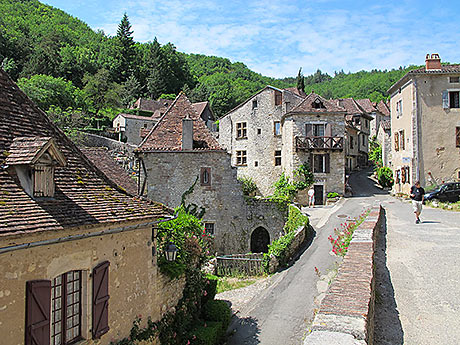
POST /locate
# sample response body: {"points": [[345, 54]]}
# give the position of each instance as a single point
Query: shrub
{"points": [[207, 334], [304, 172], [385, 176], [210, 288], [284, 193], [216, 310], [333, 195], [248, 185]]}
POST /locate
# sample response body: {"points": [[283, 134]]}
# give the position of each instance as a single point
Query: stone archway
{"points": [[260, 239]]}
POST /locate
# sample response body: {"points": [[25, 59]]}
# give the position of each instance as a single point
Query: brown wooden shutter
{"points": [[38, 311], [403, 143], [309, 130], [100, 299], [397, 141], [327, 163], [457, 136]]}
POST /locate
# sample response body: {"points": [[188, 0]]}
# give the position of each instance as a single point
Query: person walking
{"points": [[311, 197], [417, 194]]}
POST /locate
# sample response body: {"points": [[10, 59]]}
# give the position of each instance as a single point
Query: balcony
{"points": [[319, 143]]}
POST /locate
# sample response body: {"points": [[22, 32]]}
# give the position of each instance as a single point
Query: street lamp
{"points": [[171, 251]]}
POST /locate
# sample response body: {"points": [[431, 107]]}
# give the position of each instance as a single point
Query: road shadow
{"points": [[387, 324], [429, 222], [362, 185], [310, 236], [243, 331]]}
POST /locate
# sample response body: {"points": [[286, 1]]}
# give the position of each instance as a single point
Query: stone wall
{"points": [[93, 140], [261, 141], [135, 285], [170, 174], [346, 314]]}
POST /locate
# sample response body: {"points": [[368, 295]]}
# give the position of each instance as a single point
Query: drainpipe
{"points": [[417, 133]]}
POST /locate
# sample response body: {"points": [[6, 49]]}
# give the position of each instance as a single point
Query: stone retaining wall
{"points": [[346, 314]]}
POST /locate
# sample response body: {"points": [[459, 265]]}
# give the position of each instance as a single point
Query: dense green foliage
{"points": [[220, 312], [375, 153], [279, 247], [247, 185], [385, 176]]}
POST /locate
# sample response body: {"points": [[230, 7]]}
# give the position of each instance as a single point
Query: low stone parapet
{"points": [[346, 314]]}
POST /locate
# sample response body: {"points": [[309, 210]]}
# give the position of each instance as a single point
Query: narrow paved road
{"points": [[281, 313]]}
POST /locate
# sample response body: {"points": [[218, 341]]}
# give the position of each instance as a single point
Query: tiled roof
{"points": [[307, 105], [150, 104], [83, 197], [137, 117], [350, 105], [366, 105], [167, 133], [296, 91], [24, 150], [200, 107], [102, 159], [383, 108]]}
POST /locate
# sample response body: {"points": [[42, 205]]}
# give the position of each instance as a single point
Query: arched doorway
{"points": [[260, 239]]}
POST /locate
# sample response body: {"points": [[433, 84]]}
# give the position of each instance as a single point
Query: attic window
{"points": [[254, 104], [317, 104], [43, 180]]}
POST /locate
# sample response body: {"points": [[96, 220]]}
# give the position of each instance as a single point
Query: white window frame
{"points": [[399, 108]]}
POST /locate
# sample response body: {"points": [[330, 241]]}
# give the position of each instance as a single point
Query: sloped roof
{"points": [[383, 108], [150, 104], [137, 117], [166, 135], [296, 91], [200, 107], [27, 150], [366, 105], [329, 106], [102, 159], [350, 105], [83, 197]]}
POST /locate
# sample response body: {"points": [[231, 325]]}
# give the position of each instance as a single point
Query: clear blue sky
{"points": [[276, 37]]}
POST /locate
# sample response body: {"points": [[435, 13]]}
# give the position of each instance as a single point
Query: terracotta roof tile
{"points": [[296, 91], [308, 105], [383, 108], [137, 117], [151, 105], [350, 105], [444, 69], [24, 150], [167, 133], [366, 105], [83, 197]]}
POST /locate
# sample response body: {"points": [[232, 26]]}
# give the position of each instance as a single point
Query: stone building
{"points": [[425, 125], [180, 154], [133, 128], [384, 139], [313, 132], [252, 134], [76, 262], [351, 144]]}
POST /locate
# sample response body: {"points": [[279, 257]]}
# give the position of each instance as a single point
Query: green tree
{"points": [[127, 51], [101, 91], [300, 81], [131, 91]]}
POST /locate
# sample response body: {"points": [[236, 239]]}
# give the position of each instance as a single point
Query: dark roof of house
{"points": [[102, 159], [445, 69], [353, 108], [328, 106], [200, 107], [26, 150], [383, 108], [83, 196], [166, 135], [296, 91], [366, 105], [138, 117], [150, 104]]}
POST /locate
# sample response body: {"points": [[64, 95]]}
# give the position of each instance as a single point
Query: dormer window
{"points": [[34, 160], [317, 104]]}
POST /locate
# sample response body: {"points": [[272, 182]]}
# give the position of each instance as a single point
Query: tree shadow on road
{"points": [[388, 328], [363, 186], [310, 235], [243, 331]]}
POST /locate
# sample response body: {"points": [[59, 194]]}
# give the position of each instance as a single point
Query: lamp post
{"points": [[171, 251]]}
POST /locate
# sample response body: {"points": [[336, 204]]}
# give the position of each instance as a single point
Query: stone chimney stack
{"points": [[432, 62], [187, 133]]}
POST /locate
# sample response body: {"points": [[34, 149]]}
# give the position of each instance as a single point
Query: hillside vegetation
{"points": [[66, 67]]}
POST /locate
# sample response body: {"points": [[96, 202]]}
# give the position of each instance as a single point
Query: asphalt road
{"points": [[280, 314]]}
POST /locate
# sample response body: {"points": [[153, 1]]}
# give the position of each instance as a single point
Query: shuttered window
{"points": [[100, 299], [43, 181], [402, 143], [278, 97], [38, 302], [321, 163], [396, 141], [457, 136]]}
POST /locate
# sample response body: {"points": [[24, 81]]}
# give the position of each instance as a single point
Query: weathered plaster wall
{"points": [[135, 285], [169, 175]]}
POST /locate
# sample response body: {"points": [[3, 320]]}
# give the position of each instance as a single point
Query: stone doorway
{"points": [[319, 193], [260, 239]]}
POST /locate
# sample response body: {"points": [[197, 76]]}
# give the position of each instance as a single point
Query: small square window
{"points": [[277, 157], [241, 158], [454, 79], [254, 104], [454, 99], [209, 228], [277, 128], [256, 163], [259, 131]]}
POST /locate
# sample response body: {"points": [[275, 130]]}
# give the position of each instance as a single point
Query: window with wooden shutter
{"points": [[38, 306], [457, 136], [43, 181], [327, 163], [100, 299], [396, 141], [402, 143]]}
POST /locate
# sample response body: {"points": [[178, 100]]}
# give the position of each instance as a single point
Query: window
{"points": [[457, 136], [321, 163], [254, 104], [259, 131], [396, 135], [145, 125], [317, 104], [241, 158], [454, 99], [277, 157], [66, 308], [401, 140], [241, 130], [399, 108], [43, 180], [318, 130], [351, 142], [364, 140], [209, 228], [454, 79], [278, 98], [256, 163], [357, 120], [205, 176], [277, 128]]}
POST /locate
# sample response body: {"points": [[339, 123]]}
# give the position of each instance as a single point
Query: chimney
{"points": [[432, 62], [187, 133]]}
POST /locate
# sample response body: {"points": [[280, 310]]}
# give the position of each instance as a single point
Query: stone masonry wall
{"points": [[346, 314], [169, 175]]}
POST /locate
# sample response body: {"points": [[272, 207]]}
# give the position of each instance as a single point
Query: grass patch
{"points": [[232, 283]]}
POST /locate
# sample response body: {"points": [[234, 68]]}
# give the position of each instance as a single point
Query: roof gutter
{"points": [[84, 236]]}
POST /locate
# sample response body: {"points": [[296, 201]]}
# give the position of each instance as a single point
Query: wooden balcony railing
{"points": [[319, 143]]}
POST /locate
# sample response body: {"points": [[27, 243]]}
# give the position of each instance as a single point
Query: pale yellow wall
{"points": [[403, 122], [133, 283]]}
